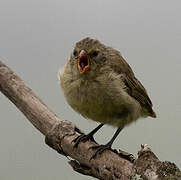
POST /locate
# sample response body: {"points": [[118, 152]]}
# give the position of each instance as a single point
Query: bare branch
{"points": [[60, 134]]}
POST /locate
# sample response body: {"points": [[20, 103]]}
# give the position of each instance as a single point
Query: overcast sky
{"points": [[36, 38]]}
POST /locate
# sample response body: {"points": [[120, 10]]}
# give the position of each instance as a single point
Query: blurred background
{"points": [[37, 37]]}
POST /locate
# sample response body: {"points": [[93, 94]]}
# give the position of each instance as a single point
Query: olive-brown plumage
{"points": [[100, 85]]}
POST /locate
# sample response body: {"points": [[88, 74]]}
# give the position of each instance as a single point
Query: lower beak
{"points": [[83, 62]]}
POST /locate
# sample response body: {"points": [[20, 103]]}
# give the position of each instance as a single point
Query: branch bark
{"points": [[59, 135]]}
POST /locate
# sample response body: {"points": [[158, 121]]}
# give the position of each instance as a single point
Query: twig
{"points": [[60, 134]]}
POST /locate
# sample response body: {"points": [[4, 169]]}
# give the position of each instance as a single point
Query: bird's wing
{"points": [[135, 89], [132, 85]]}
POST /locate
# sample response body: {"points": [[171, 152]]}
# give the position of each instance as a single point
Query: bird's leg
{"points": [[101, 148], [84, 137]]}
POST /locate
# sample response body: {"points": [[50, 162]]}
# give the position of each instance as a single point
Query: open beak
{"points": [[83, 62]]}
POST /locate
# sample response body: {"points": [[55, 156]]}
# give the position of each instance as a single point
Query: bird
{"points": [[99, 84]]}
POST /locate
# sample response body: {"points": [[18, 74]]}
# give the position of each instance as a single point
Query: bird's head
{"points": [[88, 57]]}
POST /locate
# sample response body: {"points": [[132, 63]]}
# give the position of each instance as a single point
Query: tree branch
{"points": [[60, 134]]}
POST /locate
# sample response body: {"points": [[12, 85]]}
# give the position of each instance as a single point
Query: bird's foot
{"points": [[100, 149], [89, 136], [83, 137]]}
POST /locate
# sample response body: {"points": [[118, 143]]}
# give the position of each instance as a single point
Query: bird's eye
{"points": [[75, 53], [95, 53]]}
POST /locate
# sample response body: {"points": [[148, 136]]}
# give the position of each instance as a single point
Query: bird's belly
{"points": [[94, 102]]}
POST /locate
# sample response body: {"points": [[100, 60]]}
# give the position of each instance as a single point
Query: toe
{"points": [[78, 139], [100, 149]]}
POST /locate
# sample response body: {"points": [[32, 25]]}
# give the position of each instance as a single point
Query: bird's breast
{"points": [[87, 97], [104, 102]]}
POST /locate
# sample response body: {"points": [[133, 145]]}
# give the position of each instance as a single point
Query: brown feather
{"points": [[133, 86]]}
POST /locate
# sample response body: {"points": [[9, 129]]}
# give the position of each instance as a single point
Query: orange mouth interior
{"points": [[83, 63]]}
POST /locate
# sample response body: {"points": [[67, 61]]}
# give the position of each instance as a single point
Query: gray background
{"points": [[36, 38]]}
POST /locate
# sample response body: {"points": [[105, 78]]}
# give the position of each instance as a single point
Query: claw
{"points": [[83, 138], [89, 136], [100, 149]]}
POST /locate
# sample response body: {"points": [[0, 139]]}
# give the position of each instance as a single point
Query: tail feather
{"points": [[153, 114]]}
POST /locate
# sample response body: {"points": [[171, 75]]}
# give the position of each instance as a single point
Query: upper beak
{"points": [[82, 53], [83, 62]]}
